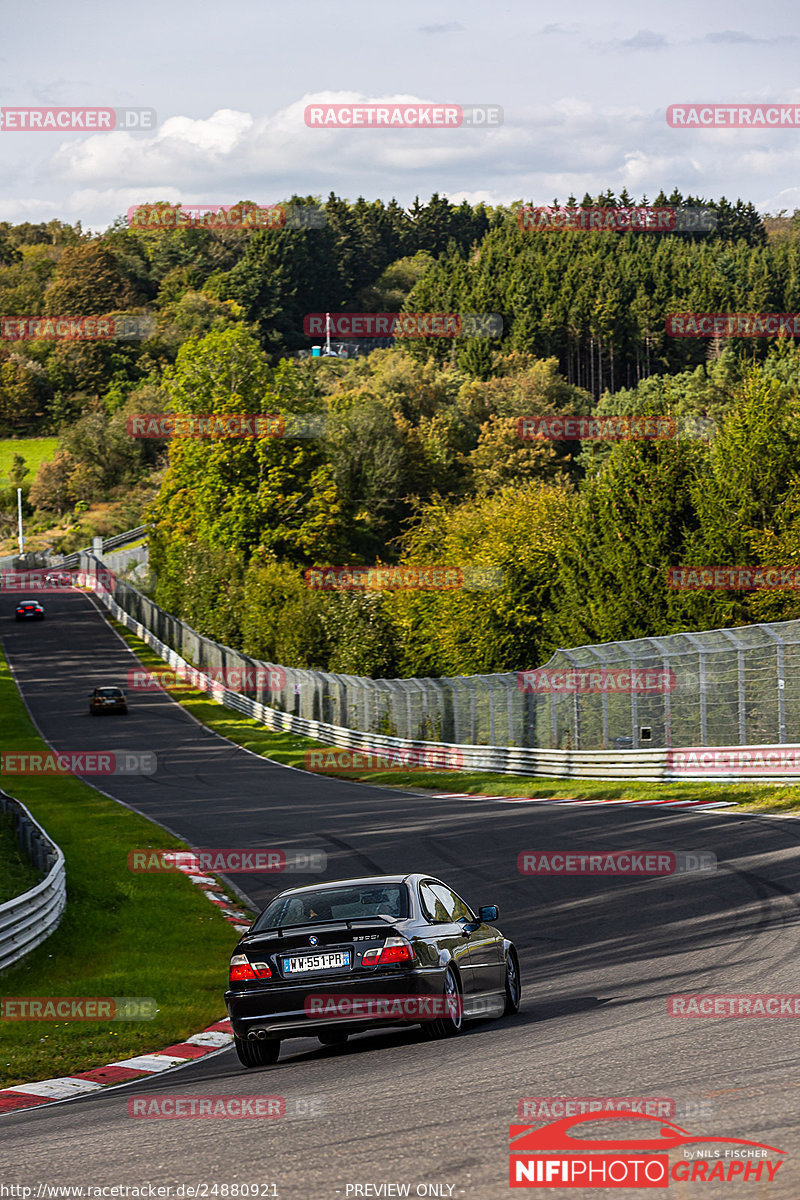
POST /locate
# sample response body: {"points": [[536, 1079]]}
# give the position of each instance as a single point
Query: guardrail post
{"points": [[781, 679]]}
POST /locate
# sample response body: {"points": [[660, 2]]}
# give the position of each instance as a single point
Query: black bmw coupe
{"points": [[333, 959]]}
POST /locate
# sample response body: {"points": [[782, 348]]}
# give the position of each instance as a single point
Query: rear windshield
{"points": [[109, 692], [335, 904]]}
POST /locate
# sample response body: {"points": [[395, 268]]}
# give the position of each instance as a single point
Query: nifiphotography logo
{"points": [[553, 1156]]}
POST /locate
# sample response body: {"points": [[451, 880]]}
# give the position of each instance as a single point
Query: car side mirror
{"points": [[489, 912]]}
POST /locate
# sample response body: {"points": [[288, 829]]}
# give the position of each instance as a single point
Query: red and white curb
{"points": [[67, 1087], [571, 800], [213, 892]]}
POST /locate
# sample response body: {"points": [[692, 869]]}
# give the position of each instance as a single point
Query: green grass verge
{"points": [[123, 934], [291, 749], [35, 451], [17, 873]]}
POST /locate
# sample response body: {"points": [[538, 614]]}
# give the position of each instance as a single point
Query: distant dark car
{"points": [[29, 610], [59, 578], [107, 699], [331, 959]]}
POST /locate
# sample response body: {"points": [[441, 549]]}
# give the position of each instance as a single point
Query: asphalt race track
{"points": [[599, 958]]}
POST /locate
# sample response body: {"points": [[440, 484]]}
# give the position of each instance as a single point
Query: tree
{"points": [[507, 546], [52, 489], [19, 469], [88, 281]]}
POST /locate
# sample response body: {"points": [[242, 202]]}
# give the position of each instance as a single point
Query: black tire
{"points": [[513, 983], [257, 1052], [453, 1024], [333, 1037]]}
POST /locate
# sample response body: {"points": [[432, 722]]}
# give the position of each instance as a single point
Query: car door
{"points": [[485, 945], [438, 909]]}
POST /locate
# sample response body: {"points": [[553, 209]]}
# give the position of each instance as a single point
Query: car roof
{"points": [[358, 881], [21, 602]]}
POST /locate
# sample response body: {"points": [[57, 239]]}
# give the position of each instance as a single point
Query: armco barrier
{"points": [[644, 765], [68, 561], [28, 919]]}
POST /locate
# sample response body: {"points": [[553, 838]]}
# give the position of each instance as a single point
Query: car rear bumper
{"points": [[289, 1010]]}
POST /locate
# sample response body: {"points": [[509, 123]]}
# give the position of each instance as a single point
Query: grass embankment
{"points": [[291, 749], [123, 934], [17, 873], [35, 451]]}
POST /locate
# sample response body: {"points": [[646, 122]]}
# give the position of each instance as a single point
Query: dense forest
{"points": [[418, 460]]}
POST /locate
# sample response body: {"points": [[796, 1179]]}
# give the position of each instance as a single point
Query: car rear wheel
{"points": [[333, 1037], [452, 1023], [257, 1052], [513, 983]]}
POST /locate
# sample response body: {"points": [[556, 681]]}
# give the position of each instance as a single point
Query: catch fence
{"points": [[720, 687]]}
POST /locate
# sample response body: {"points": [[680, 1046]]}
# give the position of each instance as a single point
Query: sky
{"points": [[584, 90]]}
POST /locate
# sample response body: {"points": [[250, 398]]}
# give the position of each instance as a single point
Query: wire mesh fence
{"points": [[720, 687]]}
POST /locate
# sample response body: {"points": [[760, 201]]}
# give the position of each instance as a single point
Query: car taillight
{"points": [[394, 950], [242, 968]]}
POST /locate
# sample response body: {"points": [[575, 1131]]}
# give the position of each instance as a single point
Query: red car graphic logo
{"points": [[556, 1136]]}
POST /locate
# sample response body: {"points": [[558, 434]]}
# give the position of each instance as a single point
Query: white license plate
{"points": [[316, 962]]}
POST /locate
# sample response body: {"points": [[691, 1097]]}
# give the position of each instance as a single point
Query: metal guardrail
{"points": [[28, 919], [119, 539], [658, 765]]}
